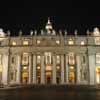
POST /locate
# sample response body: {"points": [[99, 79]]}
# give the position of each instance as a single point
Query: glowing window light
{"points": [[25, 42], [97, 78], [71, 67], [98, 74], [58, 67], [25, 68], [13, 43], [38, 59], [38, 67], [57, 42], [71, 42], [38, 41], [58, 59], [82, 43], [48, 68]]}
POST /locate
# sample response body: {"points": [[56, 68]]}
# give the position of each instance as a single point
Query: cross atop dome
{"points": [[49, 26]]}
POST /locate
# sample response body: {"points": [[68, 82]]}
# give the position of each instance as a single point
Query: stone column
{"points": [[18, 76], [30, 68], [42, 70], [34, 69], [54, 71], [5, 70], [91, 69], [66, 72], [78, 63], [62, 69]]}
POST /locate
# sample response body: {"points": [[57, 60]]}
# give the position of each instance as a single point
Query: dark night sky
{"points": [[27, 15]]}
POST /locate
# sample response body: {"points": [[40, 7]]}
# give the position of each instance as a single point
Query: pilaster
{"points": [[42, 70], [54, 70], [5, 70], [34, 69], [62, 69], [30, 68], [18, 76]]}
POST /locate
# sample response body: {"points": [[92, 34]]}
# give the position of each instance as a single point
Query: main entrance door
{"points": [[48, 74], [71, 74], [98, 75], [24, 77], [48, 77], [71, 77]]}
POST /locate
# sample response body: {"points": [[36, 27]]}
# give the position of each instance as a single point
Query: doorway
{"points": [[25, 77], [71, 77], [48, 74], [48, 77], [71, 74], [98, 75]]}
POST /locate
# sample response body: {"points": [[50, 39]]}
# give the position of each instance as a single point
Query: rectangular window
{"points": [[48, 57], [12, 75], [13, 60], [98, 58], [71, 42], [57, 42], [71, 58], [25, 59], [58, 59], [38, 59], [83, 59], [14, 43], [25, 42]]}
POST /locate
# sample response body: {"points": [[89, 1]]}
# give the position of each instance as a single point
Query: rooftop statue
{"points": [[2, 34], [96, 32]]}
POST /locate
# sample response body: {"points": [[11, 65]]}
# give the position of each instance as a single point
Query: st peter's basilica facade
{"points": [[50, 57]]}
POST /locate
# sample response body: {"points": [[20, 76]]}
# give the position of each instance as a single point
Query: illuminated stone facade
{"points": [[50, 57]]}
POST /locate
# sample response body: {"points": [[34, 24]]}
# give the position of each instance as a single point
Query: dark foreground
{"points": [[51, 93]]}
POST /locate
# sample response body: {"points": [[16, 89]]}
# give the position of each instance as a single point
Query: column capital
{"points": [[18, 53], [7, 54], [66, 54], [33, 54], [42, 54], [30, 54], [62, 54], [54, 54], [78, 54]]}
